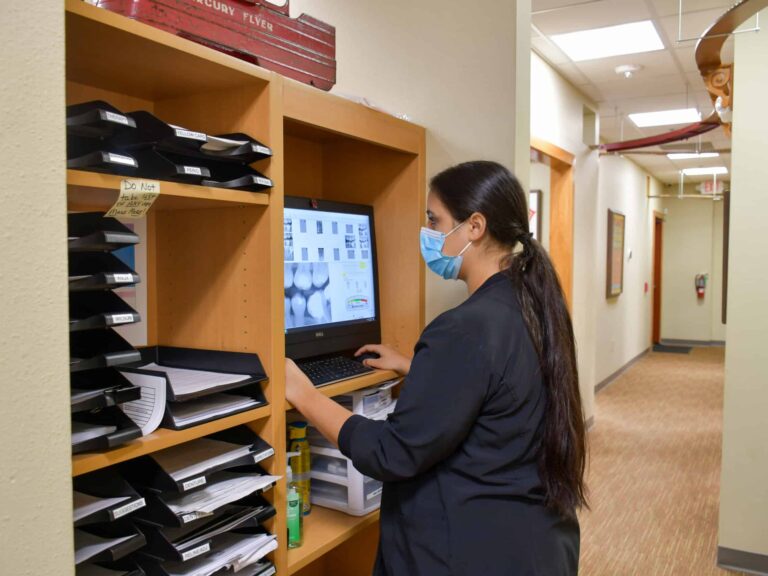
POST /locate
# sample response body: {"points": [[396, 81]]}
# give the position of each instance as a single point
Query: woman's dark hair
{"points": [[493, 191]]}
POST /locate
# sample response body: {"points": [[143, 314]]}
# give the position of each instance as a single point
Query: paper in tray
{"points": [[107, 484], [100, 388], [121, 429], [107, 542]]}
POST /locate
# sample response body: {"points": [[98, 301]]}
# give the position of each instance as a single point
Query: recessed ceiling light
{"points": [[692, 155], [610, 41], [714, 171], [665, 117]]}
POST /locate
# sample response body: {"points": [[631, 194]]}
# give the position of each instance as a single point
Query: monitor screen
{"points": [[330, 273]]}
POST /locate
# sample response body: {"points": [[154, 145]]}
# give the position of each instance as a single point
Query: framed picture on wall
{"points": [[615, 275], [534, 213]]}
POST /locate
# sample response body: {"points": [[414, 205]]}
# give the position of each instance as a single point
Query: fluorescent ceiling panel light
{"points": [[692, 155], [714, 171], [610, 41], [665, 117]]}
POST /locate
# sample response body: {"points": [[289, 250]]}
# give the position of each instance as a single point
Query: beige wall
{"points": [[417, 58], [744, 486], [693, 244], [624, 323], [557, 117], [35, 477]]}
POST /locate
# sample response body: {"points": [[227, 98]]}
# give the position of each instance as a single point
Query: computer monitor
{"points": [[330, 278]]}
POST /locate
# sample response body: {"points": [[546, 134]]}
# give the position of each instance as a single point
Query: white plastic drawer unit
{"points": [[338, 485]]}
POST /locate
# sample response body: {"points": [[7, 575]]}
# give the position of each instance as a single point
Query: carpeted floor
{"points": [[654, 472]]}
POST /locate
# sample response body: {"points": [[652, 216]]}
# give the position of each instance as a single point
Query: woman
{"points": [[483, 458]]}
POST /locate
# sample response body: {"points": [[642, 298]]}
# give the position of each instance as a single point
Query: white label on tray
{"points": [[374, 493], [189, 554], [123, 278], [128, 508], [194, 483], [181, 133], [121, 318], [119, 118], [262, 149], [262, 455], [120, 159], [263, 181], [194, 170]]}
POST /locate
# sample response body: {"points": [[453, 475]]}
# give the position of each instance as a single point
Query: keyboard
{"points": [[334, 369]]}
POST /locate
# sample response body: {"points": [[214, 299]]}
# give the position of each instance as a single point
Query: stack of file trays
{"points": [[200, 385], [90, 125], [119, 568], [97, 390]]}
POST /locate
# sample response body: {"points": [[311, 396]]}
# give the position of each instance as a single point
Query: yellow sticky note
{"points": [[136, 198]]}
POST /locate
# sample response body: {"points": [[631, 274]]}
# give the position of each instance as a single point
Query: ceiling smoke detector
{"points": [[628, 70]]}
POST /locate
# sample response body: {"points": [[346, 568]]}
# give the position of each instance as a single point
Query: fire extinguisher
{"points": [[701, 285]]}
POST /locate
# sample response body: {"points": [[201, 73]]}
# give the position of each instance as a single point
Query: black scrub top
{"points": [[458, 456]]}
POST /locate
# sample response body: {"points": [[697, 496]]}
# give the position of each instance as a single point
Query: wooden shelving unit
{"points": [[215, 257]]}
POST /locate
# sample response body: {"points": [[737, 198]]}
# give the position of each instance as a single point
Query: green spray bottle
{"points": [[295, 515], [300, 465]]}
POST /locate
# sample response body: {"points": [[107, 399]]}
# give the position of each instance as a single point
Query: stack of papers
{"points": [[232, 550], [191, 382], [87, 545], [148, 411], [230, 488], [198, 456], [82, 432], [85, 504], [213, 406]]}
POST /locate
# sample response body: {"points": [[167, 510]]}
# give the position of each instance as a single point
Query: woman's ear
{"points": [[477, 226]]}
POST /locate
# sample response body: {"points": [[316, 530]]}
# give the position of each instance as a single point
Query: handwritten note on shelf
{"points": [[136, 198]]}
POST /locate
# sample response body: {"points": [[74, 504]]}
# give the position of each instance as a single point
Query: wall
{"points": [[35, 476], [693, 244], [624, 323], [744, 485], [414, 57], [557, 117]]}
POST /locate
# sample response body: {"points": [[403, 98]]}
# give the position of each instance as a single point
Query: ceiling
{"points": [[669, 78]]}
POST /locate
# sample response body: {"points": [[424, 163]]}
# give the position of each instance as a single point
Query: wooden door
{"points": [[658, 245]]}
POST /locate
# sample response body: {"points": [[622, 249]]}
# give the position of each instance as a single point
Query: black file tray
{"points": [[115, 530], [101, 388], [153, 565], [195, 539], [95, 155], [145, 473], [236, 177], [163, 165], [206, 360], [96, 119], [124, 567], [99, 271], [252, 390], [94, 232], [158, 512], [151, 131], [99, 310], [107, 483], [99, 349], [127, 429], [250, 151]]}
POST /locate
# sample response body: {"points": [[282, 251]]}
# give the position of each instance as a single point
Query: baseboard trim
{"points": [[602, 385], [749, 562], [695, 343]]}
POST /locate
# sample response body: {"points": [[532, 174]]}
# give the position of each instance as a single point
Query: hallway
{"points": [[654, 471]]}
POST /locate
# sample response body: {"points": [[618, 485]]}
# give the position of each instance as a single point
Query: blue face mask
{"points": [[432, 243]]}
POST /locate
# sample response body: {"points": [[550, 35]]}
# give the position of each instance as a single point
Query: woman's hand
{"points": [[297, 385], [389, 358]]}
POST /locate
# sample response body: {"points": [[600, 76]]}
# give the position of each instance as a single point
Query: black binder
{"points": [[236, 177], [94, 232], [98, 310], [107, 483], [96, 119], [99, 271], [95, 389], [126, 431], [99, 349], [114, 530]]}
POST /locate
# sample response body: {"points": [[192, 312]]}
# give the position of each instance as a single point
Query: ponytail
{"points": [[492, 190]]}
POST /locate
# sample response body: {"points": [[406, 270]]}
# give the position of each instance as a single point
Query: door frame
{"points": [[657, 276], [561, 212]]}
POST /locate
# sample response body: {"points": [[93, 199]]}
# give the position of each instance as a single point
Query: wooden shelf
{"points": [[160, 439], [115, 53], [96, 190], [354, 384], [325, 529]]}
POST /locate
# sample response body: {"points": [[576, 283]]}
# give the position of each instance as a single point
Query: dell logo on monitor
{"points": [[319, 334]]}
